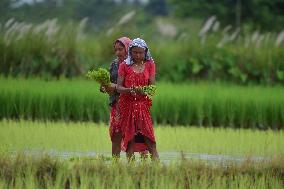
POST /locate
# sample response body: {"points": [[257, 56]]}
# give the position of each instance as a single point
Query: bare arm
{"points": [[120, 88], [152, 80], [102, 89], [111, 88], [108, 89]]}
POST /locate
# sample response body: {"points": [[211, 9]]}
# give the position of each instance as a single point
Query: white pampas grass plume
{"points": [[216, 26], [40, 28], [52, 29], [255, 36], [279, 39], [259, 40], [226, 37], [123, 20], [9, 23], [206, 27], [80, 30], [10, 32], [24, 30], [235, 34], [226, 29], [166, 29], [126, 18], [110, 31]]}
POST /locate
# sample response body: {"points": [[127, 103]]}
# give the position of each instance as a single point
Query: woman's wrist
{"points": [[131, 90], [102, 89], [115, 87]]}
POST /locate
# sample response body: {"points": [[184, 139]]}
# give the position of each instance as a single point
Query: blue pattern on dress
{"points": [[113, 71]]}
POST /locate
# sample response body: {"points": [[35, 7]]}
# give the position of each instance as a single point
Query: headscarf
{"points": [[125, 41], [138, 43]]}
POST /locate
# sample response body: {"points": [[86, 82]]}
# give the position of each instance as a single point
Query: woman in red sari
{"points": [[121, 52], [136, 123]]}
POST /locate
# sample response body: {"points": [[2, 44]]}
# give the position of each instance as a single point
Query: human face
{"points": [[138, 54], [120, 51]]}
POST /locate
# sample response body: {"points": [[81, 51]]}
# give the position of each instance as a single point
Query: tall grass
{"points": [[47, 49], [202, 104], [52, 50], [66, 100], [224, 105], [45, 172], [90, 137]]}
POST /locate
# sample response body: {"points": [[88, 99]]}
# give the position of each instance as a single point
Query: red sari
{"points": [[135, 109], [114, 113], [114, 121]]}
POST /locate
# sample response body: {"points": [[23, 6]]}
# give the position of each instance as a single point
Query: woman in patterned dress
{"points": [[136, 123], [121, 51]]}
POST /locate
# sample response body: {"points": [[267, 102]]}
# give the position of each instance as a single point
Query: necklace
{"points": [[139, 67], [141, 64]]}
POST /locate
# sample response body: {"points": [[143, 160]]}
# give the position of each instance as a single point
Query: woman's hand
{"points": [[136, 90], [110, 89], [102, 89], [132, 91]]}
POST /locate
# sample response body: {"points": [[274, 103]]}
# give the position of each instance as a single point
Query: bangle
{"points": [[103, 89], [132, 90]]}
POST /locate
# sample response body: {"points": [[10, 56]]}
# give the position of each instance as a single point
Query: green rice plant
{"points": [[149, 90], [35, 101], [90, 137], [96, 173], [201, 103], [219, 105], [101, 76]]}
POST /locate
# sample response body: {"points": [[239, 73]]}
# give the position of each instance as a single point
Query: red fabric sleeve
{"points": [[121, 70], [152, 69]]}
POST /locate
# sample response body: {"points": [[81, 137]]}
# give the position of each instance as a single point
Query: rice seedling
{"points": [[202, 104], [149, 90], [101, 76], [88, 138], [47, 172]]}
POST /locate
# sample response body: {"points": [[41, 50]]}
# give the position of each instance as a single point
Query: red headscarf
{"points": [[125, 41]]}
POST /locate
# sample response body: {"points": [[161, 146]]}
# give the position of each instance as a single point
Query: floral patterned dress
{"points": [[113, 99], [135, 114]]}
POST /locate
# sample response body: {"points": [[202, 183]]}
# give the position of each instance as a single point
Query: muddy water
{"points": [[165, 157]]}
